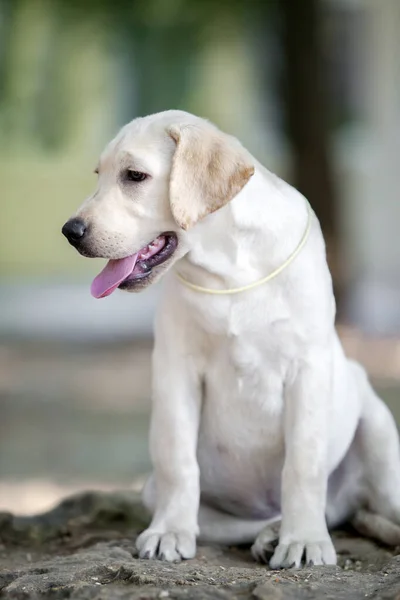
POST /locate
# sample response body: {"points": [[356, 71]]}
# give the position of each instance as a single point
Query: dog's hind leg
{"points": [[379, 450]]}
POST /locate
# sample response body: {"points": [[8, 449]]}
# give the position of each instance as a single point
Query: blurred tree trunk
{"points": [[307, 117]]}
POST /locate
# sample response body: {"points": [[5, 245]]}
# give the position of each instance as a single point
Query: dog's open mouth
{"points": [[135, 267]]}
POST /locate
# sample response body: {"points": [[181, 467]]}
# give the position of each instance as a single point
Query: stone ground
{"points": [[85, 549]]}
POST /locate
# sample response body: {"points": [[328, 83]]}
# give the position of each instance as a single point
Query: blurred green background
{"points": [[312, 88]]}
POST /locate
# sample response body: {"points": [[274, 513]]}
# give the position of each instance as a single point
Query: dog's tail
{"points": [[377, 527]]}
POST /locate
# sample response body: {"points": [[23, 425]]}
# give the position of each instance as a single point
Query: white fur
{"points": [[255, 406]]}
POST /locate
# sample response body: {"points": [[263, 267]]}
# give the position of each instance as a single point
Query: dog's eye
{"points": [[135, 176]]}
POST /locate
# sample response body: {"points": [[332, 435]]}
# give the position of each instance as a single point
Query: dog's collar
{"points": [[250, 286]]}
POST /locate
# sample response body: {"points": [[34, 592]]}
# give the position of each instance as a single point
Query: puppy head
{"points": [[160, 176]]}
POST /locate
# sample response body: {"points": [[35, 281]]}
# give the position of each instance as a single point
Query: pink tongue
{"points": [[112, 275]]}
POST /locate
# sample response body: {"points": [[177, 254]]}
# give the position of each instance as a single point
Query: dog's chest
{"points": [[248, 346], [247, 353], [253, 314], [252, 341], [240, 446], [245, 371]]}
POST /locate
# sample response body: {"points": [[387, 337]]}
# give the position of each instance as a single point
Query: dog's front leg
{"points": [[304, 479], [173, 443]]}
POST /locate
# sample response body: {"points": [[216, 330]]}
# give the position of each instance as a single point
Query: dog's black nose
{"points": [[74, 230]]}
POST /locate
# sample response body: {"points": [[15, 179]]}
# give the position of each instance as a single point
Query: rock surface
{"points": [[84, 549]]}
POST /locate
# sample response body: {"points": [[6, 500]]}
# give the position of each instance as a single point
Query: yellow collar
{"points": [[250, 286]]}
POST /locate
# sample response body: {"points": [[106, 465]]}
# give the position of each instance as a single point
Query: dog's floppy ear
{"points": [[208, 170]]}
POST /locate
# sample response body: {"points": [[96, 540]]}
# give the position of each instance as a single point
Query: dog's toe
{"points": [[169, 546], [290, 555], [147, 544]]}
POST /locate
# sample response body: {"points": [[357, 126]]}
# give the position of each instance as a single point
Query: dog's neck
{"points": [[249, 237]]}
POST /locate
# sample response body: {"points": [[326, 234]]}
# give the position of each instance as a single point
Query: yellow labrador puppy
{"points": [[261, 428]]}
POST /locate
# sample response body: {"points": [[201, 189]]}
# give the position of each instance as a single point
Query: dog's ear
{"points": [[209, 168]]}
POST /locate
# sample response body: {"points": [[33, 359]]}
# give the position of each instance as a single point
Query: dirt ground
{"points": [[85, 549]]}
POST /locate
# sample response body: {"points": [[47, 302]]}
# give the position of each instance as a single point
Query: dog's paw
{"points": [[266, 541], [287, 556], [169, 546]]}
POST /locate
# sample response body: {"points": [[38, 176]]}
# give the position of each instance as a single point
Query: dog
{"points": [[262, 431]]}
